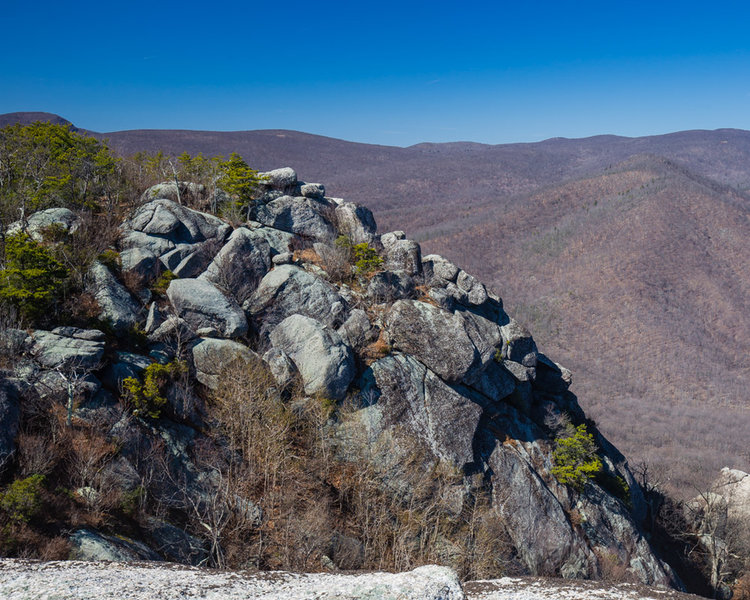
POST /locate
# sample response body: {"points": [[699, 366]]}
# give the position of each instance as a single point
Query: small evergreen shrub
{"points": [[575, 459], [366, 259], [32, 278], [23, 498], [147, 397], [162, 283], [110, 259]]}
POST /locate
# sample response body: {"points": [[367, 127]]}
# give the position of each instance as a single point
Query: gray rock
{"points": [[58, 351], [141, 262], [356, 222], [51, 384], [201, 304], [194, 264], [550, 376], [91, 335], [438, 271], [282, 367], [357, 332], [289, 290], [10, 416], [389, 286], [91, 545], [72, 580], [279, 240], [285, 258], [211, 357], [306, 217], [436, 337], [279, 179], [495, 383], [176, 223], [436, 414], [404, 255], [37, 223], [169, 190], [476, 293], [174, 332], [312, 190], [154, 318], [240, 264], [324, 361], [176, 255], [117, 305], [518, 344], [152, 243], [390, 238], [611, 531]]}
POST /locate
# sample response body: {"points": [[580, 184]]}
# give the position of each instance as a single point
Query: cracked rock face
{"points": [[324, 361]]}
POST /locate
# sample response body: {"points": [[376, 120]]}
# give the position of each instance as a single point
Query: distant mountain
{"points": [[26, 118], [629, 258]]}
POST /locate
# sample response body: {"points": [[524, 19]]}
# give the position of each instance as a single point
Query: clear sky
{"points": [[386, 72]]}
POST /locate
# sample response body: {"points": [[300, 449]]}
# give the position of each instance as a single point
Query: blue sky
{"points": [[394, 73]]}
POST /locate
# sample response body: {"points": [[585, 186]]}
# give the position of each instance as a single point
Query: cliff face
{"points": [[437, 383]]}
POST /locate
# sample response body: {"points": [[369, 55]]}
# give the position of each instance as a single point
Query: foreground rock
{"points": [[26, 580]]}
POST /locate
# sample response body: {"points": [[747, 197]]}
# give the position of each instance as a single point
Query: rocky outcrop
{"points": [[437, 416], [421, 357]]}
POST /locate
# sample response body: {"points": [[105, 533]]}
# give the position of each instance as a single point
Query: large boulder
{"points": [[356, 222], [87, 544], [283, 179], [404, 255], [211, 357], [455, 345], [306, 217], [159, 226], [734, 485], [438, 416], [43, 221], [143, 263], [289, 290], [240, 264], [68, 348], [174, 191], [117, 305], [199, 303], [324, 361]]}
